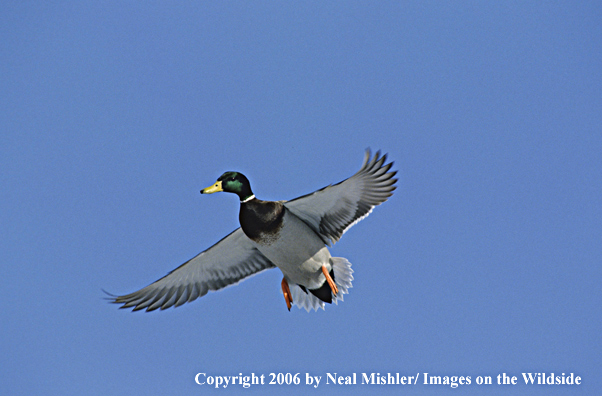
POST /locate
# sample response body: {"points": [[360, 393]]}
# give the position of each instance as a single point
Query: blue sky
{"points": [[485, 261]]}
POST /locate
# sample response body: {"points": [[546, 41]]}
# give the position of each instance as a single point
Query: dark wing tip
{"points": [[112, 298]]}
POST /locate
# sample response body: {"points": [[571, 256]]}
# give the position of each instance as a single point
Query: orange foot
{"points": [[287, 294], [333, 287]]}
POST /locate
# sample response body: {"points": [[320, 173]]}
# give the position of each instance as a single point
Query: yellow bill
{"points": [[217, 187]]}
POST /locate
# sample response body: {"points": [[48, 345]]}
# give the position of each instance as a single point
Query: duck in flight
{"points": [[291, 235]]}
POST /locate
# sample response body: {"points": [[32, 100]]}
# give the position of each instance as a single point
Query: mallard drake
{"points": [[291, 235]]}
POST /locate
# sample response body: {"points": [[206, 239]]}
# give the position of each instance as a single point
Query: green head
{"points": [[232, 182]]}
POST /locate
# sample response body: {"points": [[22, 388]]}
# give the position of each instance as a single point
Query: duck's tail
{"points": [[342, 278], [343, 275]]}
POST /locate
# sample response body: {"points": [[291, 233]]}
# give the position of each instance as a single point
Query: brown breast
{"points": [[261, 220]]}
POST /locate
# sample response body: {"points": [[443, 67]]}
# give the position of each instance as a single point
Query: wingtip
{"points": [[368, 158], [108, 294], [367, 155], [111, 298]]}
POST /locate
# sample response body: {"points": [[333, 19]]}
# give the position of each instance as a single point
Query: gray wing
{"points": [[334, 209], [225, 263]]}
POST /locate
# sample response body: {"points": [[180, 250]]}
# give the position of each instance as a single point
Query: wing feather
{"points": [[229, 261], [333, 209]]}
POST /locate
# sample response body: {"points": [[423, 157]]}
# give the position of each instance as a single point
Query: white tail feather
{"points": [[342, 277]]}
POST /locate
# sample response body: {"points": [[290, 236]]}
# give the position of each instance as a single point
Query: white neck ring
{"points": [[248, 199]]}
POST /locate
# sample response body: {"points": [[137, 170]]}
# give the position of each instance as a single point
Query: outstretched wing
{"points": [[225, 263], [334, 209]]}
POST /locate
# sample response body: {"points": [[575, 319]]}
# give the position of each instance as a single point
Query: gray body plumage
{"points": [[298, 251]]}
